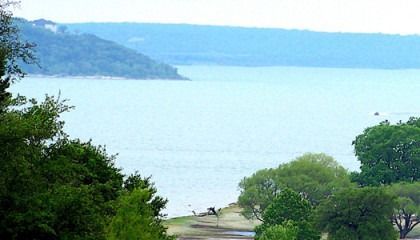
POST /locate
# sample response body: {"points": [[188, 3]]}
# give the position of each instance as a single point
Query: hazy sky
{"points": [[388, 16]]}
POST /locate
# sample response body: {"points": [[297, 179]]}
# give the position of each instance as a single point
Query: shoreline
{"points": [[229, 225], [100, 77]]}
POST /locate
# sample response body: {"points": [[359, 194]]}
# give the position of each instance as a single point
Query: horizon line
{"points": [[227, 26]]}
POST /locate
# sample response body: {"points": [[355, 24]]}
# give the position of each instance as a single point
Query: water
{"points": [[241, 233], [199, 138]]}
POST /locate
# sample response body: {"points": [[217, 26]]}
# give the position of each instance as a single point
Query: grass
{"points": [[415, 233]]}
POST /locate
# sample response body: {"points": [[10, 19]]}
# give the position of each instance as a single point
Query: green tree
{"points": [[4, 95], [389, 153], [135, 181], [13, 49], [407, 212], [136, 219], [257, 192], [358, 214], [290, 206], [315, 176], [52, 187], [24, 132], [286, 231]]}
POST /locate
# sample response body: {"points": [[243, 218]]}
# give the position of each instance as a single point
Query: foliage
{"points": [[52, 187], [286, 231], [315, 176], [135, 181], [136, 219], [407, 212], [359, 214], [37, 188], [11, 45], [257, 192], [55, 188], [389, 153], [289, 206], [66, 54], [12, 51]]}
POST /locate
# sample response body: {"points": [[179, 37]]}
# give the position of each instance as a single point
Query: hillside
{"points": [[193, 44], [67, 54]]}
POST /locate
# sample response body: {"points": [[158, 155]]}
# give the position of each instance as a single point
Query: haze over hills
{"points": [[62, 53], [194, 44]]}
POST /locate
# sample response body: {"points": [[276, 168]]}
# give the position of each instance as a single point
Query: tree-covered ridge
{"points": [[64, 54], [181, 44]]}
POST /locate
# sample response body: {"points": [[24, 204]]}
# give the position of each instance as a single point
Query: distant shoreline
{"points": [[99, 77]]}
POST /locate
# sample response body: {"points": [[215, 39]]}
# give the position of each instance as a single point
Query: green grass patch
{"points": [[415, 233]]}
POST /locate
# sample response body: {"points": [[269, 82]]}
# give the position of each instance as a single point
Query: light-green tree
{"points": [[135, 218], [407, 212], [315, 176], [358, 214], [285, 231]]}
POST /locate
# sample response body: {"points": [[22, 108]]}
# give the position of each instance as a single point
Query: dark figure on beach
{"points": [[212, 211]]}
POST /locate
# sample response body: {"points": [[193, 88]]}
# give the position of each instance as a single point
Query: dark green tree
{"points": [[12, 47], [314, 176], [12, 51], [289, 207], [358, 214], [52, 187], [389, 153]]}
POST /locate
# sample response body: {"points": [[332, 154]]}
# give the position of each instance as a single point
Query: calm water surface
{"points": [[199, 138]]}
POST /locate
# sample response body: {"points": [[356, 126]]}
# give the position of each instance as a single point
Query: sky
{"points": [[385, 16]]}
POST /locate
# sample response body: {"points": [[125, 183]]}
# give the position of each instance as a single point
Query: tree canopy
{"points": [[407, 212], [359, 214], [289, 208], [12, 47], [315, 176], [53, 187], [64, 53], [286, 231], [389, 153], [12, 51]]}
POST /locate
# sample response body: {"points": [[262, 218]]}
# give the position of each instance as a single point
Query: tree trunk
{"points": [[403, 233]]}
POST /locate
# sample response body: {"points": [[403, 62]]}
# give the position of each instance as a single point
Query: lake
{"points": [[199, 138]]}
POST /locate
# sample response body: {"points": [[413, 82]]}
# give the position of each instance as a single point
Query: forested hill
{"points": [[62, 53], [192, 44]]}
